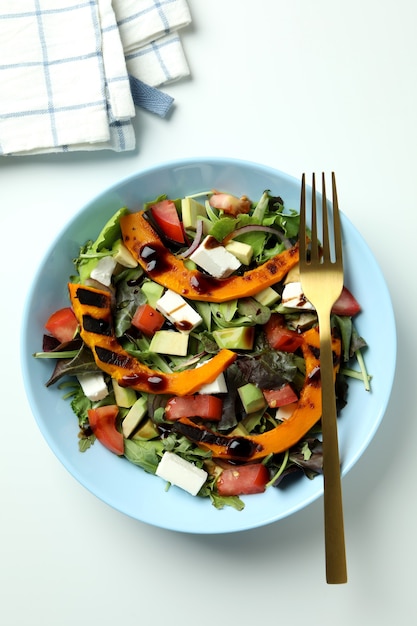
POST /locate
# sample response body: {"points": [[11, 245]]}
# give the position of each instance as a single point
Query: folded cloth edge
{"points": [[143, 94], [150, 98]]}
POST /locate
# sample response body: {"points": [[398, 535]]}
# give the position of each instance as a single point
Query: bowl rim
{"points": [[88, 205]]}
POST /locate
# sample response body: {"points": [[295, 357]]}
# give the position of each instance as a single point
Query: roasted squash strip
{"points": [[92, 308], [306, 414], [168, 270]]}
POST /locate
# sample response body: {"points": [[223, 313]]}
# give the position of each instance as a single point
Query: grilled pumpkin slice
{"points": [[306, 414], [92, 308], [170, 271]]}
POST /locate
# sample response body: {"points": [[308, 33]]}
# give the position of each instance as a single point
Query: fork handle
{"points": [[336, 571]]}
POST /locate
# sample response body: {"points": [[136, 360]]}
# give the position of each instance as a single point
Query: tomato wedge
{"points": [[147, 319], [242, 480], [279, 336], [62, 324], [103, 424], [166, 217], [199, 405], [346, 304], [280, 397]]}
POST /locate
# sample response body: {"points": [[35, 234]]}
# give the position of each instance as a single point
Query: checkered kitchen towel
{"points": [[71, 71]]}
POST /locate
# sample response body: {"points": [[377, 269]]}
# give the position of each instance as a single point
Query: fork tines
{"points": [[317, 247]]}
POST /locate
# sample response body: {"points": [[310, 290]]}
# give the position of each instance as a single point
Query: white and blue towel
{"points": [[72, 71]]}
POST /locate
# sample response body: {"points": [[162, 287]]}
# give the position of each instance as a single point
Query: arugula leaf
{"points": [[203, 308], [92, 251], [85, 441], [253, 310], [261, 207], [110, 232], [208, 490], [256, 239], [128, 297], [227, 309], [226, 225], [287, 221], [147, 205], [180, 445], [250, 312], [221, 501], [138, 347], [269, 251], [208, 342], [80, 405], [145, 454]]}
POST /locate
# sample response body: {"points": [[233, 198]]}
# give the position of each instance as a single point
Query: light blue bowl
{"points": [[121, 484]]}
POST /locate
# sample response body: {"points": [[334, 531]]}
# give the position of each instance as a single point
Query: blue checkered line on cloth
{"points": [[68, 69]]}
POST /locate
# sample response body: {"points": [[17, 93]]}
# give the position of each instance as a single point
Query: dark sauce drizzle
{"points": [[155, 382], [156, 261], [239, 448]]}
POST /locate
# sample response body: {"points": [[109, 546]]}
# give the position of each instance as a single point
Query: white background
{"points": [[300, 85]]}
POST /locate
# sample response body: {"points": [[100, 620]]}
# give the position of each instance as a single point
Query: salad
{"points": [[189, 348]]}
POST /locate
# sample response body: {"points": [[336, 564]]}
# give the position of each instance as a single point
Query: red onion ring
{"points": [[253, 227], [196, 241]]}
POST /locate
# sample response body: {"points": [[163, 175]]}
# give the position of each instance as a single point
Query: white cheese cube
{"points": [[212, 257], [293, 275], [93, 386], [284, 412], [294, 298], [103, 271], [178, 311], [181, 473], [217, 386]]}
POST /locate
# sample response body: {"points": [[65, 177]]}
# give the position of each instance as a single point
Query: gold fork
{"points": [[321, 274]]}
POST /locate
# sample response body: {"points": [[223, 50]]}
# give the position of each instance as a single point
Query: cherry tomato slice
{"points": [[166, 217], [103, 424], [62, 324], [243, 480]]}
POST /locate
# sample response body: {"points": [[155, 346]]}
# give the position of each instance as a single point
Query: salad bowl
{"points": [[121, 484]]}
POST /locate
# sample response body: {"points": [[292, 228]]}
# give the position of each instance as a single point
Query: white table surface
{"points": [[300, 86]]}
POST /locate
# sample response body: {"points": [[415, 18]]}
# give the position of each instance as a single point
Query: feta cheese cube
{"points": [[181, 473], [284, 412], [93, 386], [178, 311], [294, 298], [104, 269], [218, 385], [213, 258]]}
